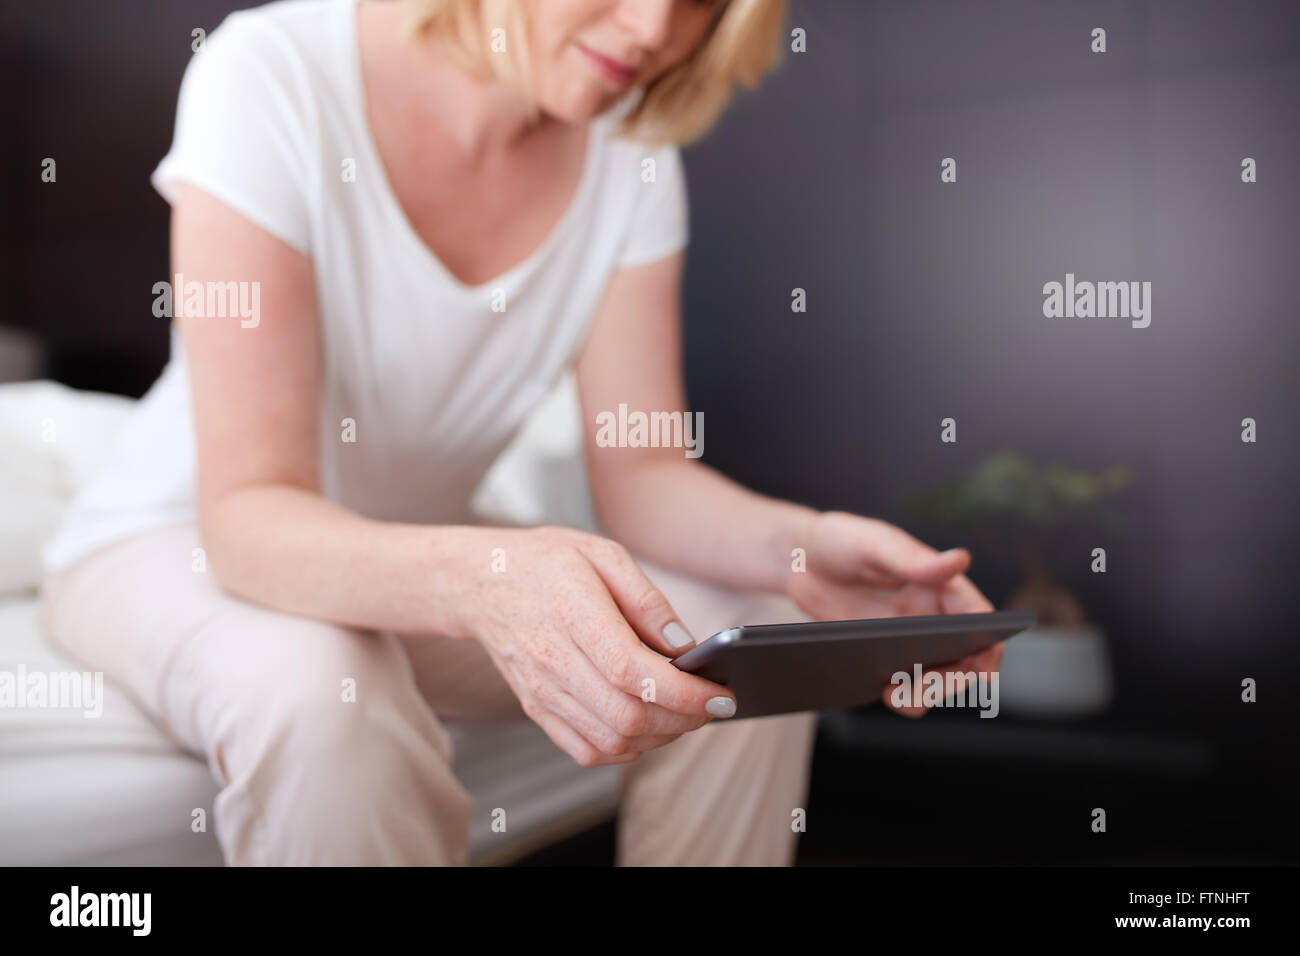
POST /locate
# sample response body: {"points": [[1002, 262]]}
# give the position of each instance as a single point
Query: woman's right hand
{"points": [[573, 625]]}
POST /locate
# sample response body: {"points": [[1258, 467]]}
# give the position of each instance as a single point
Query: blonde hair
{"points": [[742, 44]]}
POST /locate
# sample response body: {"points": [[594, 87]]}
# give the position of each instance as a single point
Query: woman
{"points": [[432, 214]]}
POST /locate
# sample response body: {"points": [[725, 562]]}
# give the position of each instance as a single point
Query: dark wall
{"points": [[925, 299], [91, 84]]}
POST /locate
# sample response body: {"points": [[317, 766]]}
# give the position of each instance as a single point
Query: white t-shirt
{"points": [[435, 380]]}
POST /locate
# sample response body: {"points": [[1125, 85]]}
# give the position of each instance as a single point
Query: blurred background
{"points": [[924, 302]]}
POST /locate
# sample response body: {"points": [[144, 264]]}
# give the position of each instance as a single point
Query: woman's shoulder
{"points": [[271, 69], [624, 155], [254, 116], [287, 40], [643, 190]]}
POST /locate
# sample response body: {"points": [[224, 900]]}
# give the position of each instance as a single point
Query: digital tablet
{"points": [[825, 665]]}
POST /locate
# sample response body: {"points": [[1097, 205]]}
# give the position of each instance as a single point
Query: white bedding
{"points": [[74, 790]]}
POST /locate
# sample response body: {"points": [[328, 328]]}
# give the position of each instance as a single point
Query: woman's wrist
{"points": [[793, 539], [448, 572], [293, 550]]}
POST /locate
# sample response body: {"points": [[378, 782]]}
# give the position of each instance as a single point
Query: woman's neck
{"points": [[482, 117]]}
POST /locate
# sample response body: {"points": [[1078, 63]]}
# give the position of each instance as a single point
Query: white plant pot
{"points": [[1056, 672]]}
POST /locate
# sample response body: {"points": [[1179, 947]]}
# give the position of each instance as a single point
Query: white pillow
{"points": [[54, 439]]}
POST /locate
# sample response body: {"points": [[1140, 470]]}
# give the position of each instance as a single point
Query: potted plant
{"points": [[1032, 515]]}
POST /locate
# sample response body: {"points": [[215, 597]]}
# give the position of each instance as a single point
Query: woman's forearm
{"points": [[688, 517], [292, 550]]}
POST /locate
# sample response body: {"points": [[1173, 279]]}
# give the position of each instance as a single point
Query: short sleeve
{"points": [[658, 226], [243, 130]]}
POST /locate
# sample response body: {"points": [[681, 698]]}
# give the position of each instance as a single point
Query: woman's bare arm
{"points": [[270, 536], [677, 511]]}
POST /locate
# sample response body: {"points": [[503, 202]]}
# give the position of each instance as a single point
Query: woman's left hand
{"points": [[860, 567]]}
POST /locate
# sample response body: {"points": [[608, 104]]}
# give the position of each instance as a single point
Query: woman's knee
{"points": [[333, 742], [330, 698], [347, 783]]}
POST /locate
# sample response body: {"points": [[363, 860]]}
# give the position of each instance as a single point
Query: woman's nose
{"points": [[649, 21]]}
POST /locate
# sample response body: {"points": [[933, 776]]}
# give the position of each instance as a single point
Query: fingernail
{"points": [[676, 635], [950, 552], [721, 706]]}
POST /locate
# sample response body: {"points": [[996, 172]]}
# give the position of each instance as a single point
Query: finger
{"points": [[986, 661], [957, 678], [631, 667], [572, 742], [590, 727], [892, 550], [632, 713], [636, 717], [916, 599], [961, 596], [642, 604], [652, 742], [621, 657], [947, 677], [982, 664], [601, 735], [606, 736], [906, 710]]}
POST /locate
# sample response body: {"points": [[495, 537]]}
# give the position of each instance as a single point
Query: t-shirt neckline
{"points": [[393, 206]]}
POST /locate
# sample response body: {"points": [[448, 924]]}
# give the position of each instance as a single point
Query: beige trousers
{"points": [[305, 780]]}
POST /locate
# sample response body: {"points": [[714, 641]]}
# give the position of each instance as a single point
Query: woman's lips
{"points": [[612, 70]]}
